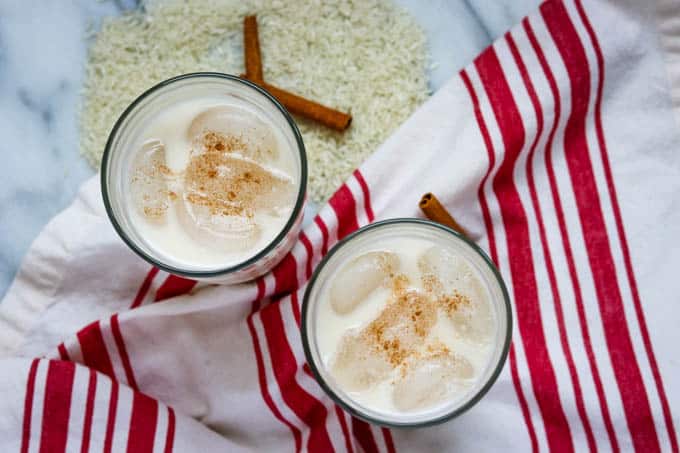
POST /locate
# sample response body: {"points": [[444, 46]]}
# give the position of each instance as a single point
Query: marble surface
{"points": [[43, 46]]}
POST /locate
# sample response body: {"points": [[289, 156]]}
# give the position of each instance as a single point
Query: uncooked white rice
{"points": [[365, 56]]}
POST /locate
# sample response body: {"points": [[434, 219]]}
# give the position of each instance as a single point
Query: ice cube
{"points": [[224, 194], [431, 379], [358, 364], [459, 291], [474, 321], [231, 232], [149, 181], [358, 278], [449, 271], [231, 129], [233, 181]]}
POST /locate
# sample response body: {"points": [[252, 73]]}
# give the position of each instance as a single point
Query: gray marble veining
{"points": [[43, 47]]}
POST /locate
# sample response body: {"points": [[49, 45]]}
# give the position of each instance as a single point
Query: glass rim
{"points": [[430, 422], [299, 202]]}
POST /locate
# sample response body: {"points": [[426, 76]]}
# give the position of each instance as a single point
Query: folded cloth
{"points": [[556, 149]]}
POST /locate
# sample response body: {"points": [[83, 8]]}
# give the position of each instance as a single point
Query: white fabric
{"points": [[590, 264], [668, 20]]}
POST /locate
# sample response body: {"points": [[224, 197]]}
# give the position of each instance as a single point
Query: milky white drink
{"points": [[212, 183], [405, 325], [206, 177]]}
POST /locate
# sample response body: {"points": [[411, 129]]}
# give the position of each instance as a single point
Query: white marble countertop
{"points": [[43, 48]]}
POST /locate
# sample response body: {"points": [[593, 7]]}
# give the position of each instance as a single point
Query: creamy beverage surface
{"points": [[211, 182], [405, 325]]}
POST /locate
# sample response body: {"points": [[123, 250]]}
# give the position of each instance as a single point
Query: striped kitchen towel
{"points": [[557, 149]]}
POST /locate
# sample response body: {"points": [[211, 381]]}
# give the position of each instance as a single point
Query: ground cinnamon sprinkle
{"points": [[399, 283], [205, 188], [400, 328], [153, 207], [431, 283], [400, 334], [154, 213], [221, 175], [220, 143], [435, 350], [452, 302], [164, 170]]}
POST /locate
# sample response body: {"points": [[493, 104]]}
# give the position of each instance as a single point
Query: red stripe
{"points": [[28, 406], [492, 161], [578, 394], [515, 223], [310, 254], [668, 418], [306, 407], [344, 205], [260, 295], [343, 424], [295, 306], [94, 350], [324, 234], [122, 351], [89, 410], [170, 434], [522, 399], [389, 443], [142, 424], [63, 353], [367, 195], [308, 370], [264, 390], [111, 419], [174, 286], [578, 297], [57, 406], [285, 275], [492, 249], [363, 434], [626, 370], [146, 284]]}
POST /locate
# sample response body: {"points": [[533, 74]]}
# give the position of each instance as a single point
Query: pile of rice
{"points": [[367, 57]]}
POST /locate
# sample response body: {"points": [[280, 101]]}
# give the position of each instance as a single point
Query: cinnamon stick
{"points": [[436, 212], [309, 109], [251, 50], [295, 104]]}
